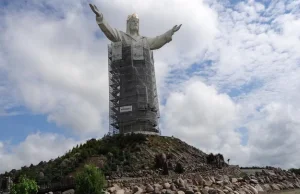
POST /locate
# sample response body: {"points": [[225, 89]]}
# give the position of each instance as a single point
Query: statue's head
{"points": [[132, 24]]}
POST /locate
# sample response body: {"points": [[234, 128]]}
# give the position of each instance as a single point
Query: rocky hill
{"points": [[124, 156], [269, 180]]}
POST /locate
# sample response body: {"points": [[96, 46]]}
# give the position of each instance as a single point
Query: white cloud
{"points": [[35, 148], [274, 138], [201, 116]]}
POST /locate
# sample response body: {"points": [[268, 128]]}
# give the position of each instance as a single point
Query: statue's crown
{"points": [[133, 16]]}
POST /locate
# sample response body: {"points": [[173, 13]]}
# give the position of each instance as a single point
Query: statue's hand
{"points": [[96, 11], [176, 28]]}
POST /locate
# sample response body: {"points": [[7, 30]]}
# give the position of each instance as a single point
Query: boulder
{"points": [[119, 191], [213, 191], [167, 186], [137, 190], [208, 183], [169, 191], [252, 189], [180, 182], [275, 187], [149, 188], [70, 191], [189, 191], [259, 188], [156, 190], [158, 186], [234, 180], [228, 188], [204, 191], [253, 181], [267, 187], [173, 187]]}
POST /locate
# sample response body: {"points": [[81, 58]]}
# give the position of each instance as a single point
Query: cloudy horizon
{"points": [[228, 82]]}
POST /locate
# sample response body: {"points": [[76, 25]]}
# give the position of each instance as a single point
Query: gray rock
{"points": [[267, 187], [137, 189], [158, 186], [208, 183], [240, 191], [212, 179], [252, 189], [149, 188], [275, 187], [253, 181], [167, 185], [180, 192], [189, 192], [169, 191], [234, 180], [220, 191], [70, 191], [195, 189], [119, 191], [204, 191], [259, 188], [228, 188], [219, 182], [173, 187], [180, 182], [156, 190], [213, 191]]}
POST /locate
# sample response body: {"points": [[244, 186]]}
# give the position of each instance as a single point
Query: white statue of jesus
{"points": [[132, 32]]}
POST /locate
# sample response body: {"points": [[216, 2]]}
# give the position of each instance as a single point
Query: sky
{"points": [[228, 82]]}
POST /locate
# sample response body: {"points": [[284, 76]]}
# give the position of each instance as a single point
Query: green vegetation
{"points": [[111, 148], [254, 167], [295, 170], [24, 186], [89, 181]]}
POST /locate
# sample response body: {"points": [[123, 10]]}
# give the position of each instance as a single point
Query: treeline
{"points": [[254, 167], [295, 170]]}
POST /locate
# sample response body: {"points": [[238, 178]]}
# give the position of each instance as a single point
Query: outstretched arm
{"points": [[112, 34], [159, 41]]}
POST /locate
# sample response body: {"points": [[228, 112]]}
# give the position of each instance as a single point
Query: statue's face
{"points": [[134, 24]]}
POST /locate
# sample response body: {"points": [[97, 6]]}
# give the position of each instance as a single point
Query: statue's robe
{"points": [[116, 35]]}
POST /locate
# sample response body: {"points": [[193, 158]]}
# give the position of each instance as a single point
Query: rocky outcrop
{"points": [[272, 179]]}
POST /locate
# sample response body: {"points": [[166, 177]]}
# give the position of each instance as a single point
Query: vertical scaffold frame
{"points": [[133, 100]]}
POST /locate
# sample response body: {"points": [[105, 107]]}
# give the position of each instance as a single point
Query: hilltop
{"points": [[124, 156]]}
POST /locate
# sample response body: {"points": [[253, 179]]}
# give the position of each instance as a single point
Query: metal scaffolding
{"points": [[133, 100]]}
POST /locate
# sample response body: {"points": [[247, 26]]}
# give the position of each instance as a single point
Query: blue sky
{"points": [[227, 81]]}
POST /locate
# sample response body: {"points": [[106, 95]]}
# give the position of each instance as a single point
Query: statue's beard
{"points": [[132, 30]]}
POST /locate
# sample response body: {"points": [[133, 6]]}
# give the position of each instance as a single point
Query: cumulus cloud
{"points": [[274, 138], [35, 148], [202, 116]]}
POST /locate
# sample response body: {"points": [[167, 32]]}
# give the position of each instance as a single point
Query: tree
{"points": [[25, 186], [89, 181]]}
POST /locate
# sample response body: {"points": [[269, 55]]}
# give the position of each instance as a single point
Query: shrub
{"points": [[25, 186], [89, 181], [179, 168]]}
